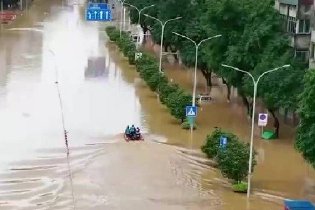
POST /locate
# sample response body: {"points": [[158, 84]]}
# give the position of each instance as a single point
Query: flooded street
{"points": [[52, 43]]}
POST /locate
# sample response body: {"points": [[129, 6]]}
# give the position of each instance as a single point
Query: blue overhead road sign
{"points": [[97, 6], [98, 12], [191, 111]]}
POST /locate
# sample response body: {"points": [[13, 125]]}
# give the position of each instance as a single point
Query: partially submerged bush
{"points": [[212, 145], [233, 158], [233, 161], [177, 102], [186, 125], [240, 187], [112, 33]]}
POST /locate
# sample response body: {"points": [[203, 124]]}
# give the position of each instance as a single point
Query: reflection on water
{"points": [[96, 67], [29, 106]]}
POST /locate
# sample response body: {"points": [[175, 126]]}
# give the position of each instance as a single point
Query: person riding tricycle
{"points": [[132, 133]]}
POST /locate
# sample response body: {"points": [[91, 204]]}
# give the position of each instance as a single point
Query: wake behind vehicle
{"points": [[133, 134]]}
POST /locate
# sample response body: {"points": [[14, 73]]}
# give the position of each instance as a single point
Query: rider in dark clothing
{"points": [[132, 131], [138, 133], [127, 131]]}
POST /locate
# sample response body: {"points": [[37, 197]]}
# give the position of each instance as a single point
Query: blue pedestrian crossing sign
{"points": [[191, 111], [223, 141], [98, 12]]}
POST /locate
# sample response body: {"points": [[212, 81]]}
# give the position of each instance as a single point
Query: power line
{"points": [[64, 130]]}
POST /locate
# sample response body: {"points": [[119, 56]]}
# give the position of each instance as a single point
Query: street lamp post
{"points": [[255, 82], [162, 35], [139, 10], [196, 60], [121, 16]]}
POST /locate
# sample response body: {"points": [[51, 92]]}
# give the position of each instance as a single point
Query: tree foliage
{"points": [[233, 159], [252, 40], [177, 102], [305, 141]]}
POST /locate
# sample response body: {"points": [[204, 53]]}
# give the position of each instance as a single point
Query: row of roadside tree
{"points": [[231, 158], [252, 40]]}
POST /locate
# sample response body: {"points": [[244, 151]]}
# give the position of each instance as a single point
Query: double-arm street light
{"points": [[121, 15], [139, 10], [162, 35], [196, 60], [255, 82]]}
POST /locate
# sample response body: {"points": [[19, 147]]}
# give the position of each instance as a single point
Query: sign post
{"points": [[98, 12], [138, 55], [191, 113], [262, 121]]}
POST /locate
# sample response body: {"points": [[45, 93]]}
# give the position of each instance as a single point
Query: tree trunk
{"points": [[228, 92], [165, 48], [228, 89], [173, 50], [276, 123], [207, 75], [144, 29], [285, 115], [246, 103]]}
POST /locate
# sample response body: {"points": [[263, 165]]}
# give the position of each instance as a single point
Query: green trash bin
{"points": [[268, 135]]}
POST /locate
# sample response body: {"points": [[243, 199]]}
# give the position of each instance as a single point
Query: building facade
{"points": [[298, 22]]}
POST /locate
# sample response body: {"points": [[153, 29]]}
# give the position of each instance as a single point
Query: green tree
{"points": [[226, 17], [145, 22], [145, 61], [281, 88], [233, 160], [305, 140], [154, 80], [168, 10], [212, 145], [177, 102], [165, 90], [112, 33]]}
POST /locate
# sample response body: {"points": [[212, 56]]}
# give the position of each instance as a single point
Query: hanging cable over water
{"points": [[64, 129]]}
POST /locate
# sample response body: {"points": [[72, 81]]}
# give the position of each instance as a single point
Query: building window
{"points": [[302, 55], [307, 8], [304, 26], [313, 51], [291, 28]]}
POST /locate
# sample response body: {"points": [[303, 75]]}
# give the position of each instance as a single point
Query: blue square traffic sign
{"points": [[98, 12], [223, 141], [191, 111]]}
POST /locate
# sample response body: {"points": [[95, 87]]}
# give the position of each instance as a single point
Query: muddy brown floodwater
{"points": [[52, 41]]}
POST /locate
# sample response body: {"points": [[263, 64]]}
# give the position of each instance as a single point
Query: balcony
{"points": [[297, 2], [290, 2]]}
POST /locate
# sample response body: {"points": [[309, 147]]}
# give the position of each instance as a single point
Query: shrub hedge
{"points": [[171, 95]]}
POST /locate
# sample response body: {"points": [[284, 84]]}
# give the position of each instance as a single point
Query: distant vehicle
{"points": [[298, 205], [7, 16]]}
